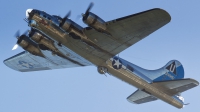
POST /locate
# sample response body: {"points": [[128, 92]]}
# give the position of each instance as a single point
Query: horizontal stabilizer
{"points": [[176, 86], [139, 97]]}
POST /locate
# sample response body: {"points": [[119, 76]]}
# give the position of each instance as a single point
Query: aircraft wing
{"points": [[174, 87], [26, 62], [128, 30], [139, 97]]}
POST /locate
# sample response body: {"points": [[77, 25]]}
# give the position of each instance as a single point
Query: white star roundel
{"points": [[117, 64], [26, 65]]}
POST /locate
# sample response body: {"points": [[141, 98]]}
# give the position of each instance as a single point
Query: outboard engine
{"points": [[29, 46], [94, 21]]}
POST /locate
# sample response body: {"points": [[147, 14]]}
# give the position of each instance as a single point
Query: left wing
{"points": [[128, 30], [26, 62]]}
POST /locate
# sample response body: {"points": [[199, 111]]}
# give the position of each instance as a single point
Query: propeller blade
{"points": [[26, 32], [15, 47], [17, 34], [78, 17], [68, 14], [87, 11], [65, 18], [89, 8]]}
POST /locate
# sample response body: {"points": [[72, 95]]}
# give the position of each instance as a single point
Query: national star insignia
{"points": [[116, 64], [25, 64]]}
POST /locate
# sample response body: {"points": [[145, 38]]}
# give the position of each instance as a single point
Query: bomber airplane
{"points": [[54, 42]]}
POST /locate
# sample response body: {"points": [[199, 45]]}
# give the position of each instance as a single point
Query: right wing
{"points": [[139, 97], [25, 62], [127, 31]]}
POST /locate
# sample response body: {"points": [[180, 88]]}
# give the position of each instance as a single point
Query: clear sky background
{"points": [[84, 89]]}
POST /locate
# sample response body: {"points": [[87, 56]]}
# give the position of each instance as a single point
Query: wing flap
{"points": [[139, 97], [176, 86]]}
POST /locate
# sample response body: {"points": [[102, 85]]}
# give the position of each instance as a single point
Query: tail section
{"points": [[169, 81], [171, 71]]}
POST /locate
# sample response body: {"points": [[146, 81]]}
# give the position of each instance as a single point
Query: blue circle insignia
{"points": [[117, 64]]}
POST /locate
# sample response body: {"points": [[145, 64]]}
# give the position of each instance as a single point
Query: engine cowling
{"points": [[29, 46], [72, 28], [95, 22], [41, 39]]}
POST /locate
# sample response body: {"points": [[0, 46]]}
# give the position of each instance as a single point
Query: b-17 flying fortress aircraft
{"points": [[54, 42]]}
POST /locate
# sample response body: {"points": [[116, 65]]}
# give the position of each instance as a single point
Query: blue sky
{"points": [[83, 89]]}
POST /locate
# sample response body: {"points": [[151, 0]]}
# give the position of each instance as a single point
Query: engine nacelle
{"points": [[95, 22], [73, 29], [29, 46], [41, 39]]}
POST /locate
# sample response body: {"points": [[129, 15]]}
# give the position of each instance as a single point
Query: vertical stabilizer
{"points": [[171, 71]]}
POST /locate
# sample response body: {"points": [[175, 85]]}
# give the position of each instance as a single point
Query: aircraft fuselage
{"points": [[50, 27]]}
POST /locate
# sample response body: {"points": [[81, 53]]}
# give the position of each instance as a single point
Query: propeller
{"points": [[87, 11], [89, 8], [78, 17], [17, 35], [15, 47], [65, 18]]}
